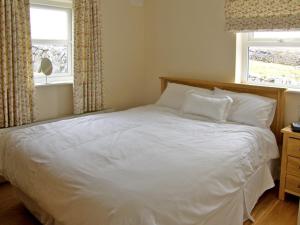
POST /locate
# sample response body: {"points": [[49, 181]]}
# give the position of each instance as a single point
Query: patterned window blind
{"points": [[264, 15]]}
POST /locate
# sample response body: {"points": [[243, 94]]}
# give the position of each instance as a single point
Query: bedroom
{"points": [[141, 41]]}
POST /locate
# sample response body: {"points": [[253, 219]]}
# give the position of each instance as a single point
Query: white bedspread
{"points": [[144, 166]]}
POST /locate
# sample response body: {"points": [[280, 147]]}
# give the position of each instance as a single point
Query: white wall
{"points": [[53, 101], [188, 38], [124, 54]]}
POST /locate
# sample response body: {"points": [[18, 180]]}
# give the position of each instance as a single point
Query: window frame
{"points": [[246, 40], [69, 42]]}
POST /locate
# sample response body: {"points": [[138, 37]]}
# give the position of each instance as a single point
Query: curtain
{"points": [[253, 15], [88, 79], [16, 76]]}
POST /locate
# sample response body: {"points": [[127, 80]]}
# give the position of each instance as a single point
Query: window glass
{"points": [[48, 24], [269, 58], [274, 65], [51, 39], [58, 54]]}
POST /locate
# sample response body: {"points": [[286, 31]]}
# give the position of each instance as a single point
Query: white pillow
{"points": [[250, 109], [209, 106], [174, 95]]}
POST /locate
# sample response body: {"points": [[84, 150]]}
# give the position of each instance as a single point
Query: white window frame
{"points": [[65, 6], [246, 40]]}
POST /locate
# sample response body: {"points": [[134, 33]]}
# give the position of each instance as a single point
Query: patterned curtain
{"points": [[253, 15], [16, 76], [88, 80]]}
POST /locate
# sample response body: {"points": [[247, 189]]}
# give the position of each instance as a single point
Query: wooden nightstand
{"points": [[290, 164]]}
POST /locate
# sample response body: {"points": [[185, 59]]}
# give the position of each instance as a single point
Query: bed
{"points": [[147, 166]]}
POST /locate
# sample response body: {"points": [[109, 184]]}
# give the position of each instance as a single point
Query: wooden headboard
{"points": [[271, 92]]}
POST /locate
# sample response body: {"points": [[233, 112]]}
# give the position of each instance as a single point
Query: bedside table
{"points": [[290, 164]]}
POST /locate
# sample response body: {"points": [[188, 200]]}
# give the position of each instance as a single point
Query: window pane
{"points": [[57, 54], [277, 35], [274, 65], [48, 23]]}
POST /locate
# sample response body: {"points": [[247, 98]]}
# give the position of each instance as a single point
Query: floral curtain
{"points": [[253, 15], [16, 76], [88, 73]]}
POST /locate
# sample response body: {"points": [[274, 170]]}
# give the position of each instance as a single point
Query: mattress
{"points": [[146, 166]]}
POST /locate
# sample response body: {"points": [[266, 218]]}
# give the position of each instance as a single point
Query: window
{"points": [[51, 32], [269, 58]]}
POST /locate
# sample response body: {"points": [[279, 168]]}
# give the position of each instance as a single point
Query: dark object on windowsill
{"points": [[295, 126]]}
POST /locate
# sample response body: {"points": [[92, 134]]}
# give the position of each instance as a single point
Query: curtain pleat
{"points": [[88, 72], [255, 15], [16, 75]]}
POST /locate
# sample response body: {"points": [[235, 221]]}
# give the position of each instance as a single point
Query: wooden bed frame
{"points": [[271, 92]]}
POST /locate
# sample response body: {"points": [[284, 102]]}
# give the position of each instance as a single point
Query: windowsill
{"points": [[53, 84], [293, 90], [289, 89]]}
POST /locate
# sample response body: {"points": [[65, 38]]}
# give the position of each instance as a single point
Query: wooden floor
{"points": [[269, 210]]}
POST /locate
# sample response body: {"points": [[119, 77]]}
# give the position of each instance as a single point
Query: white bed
{"points": [[146, 166]]}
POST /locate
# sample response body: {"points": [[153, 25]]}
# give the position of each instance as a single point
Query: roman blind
{"points": [[255, 15]]}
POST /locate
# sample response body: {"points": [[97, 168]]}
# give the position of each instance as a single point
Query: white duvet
{"points": [[144, 166]]}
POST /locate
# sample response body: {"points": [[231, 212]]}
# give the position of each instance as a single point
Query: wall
{"points": [[124, 54], [123, 40], [188, 38], [53, 101]]}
